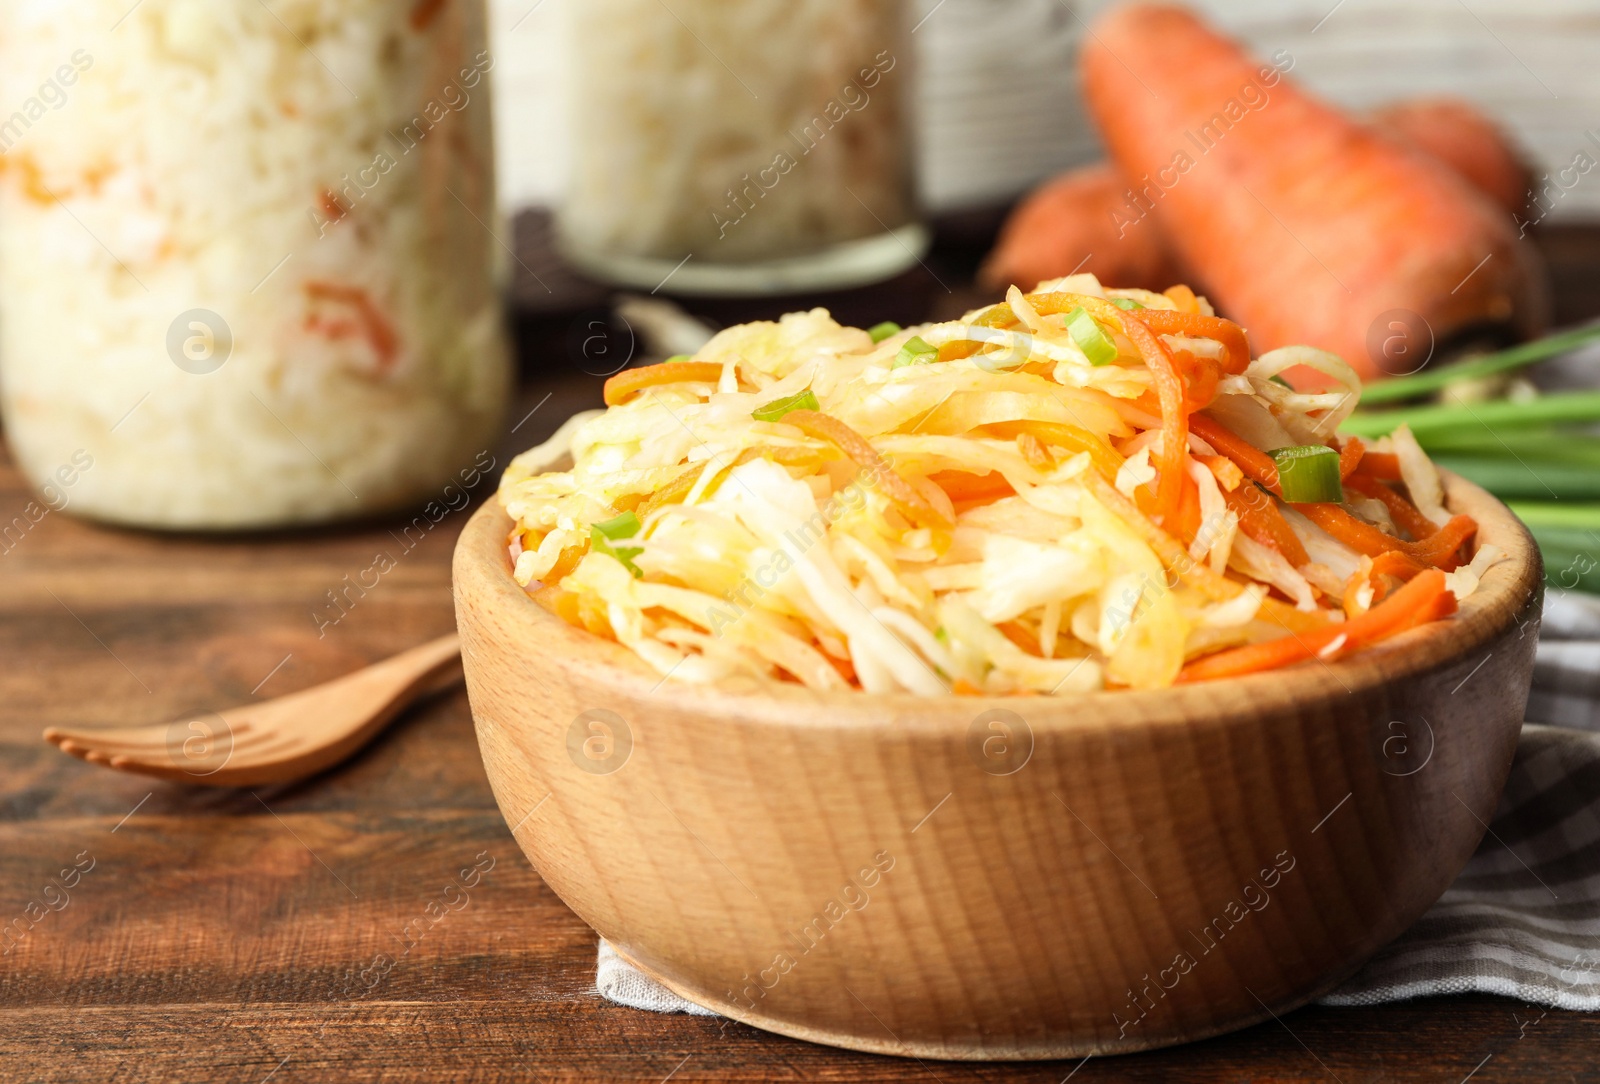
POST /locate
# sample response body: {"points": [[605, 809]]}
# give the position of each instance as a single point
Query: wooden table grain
{"points": [[379, 923]]}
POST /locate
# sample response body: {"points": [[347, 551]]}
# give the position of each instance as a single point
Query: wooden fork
{"points": [[276, 741]]}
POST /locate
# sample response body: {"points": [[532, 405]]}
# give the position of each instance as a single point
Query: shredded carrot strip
{"points": [[1383, 466], [1235, 344], [1200, 379], [1226, 472], [1287, 616], [1441, 607], [1404, 513], [1019, 635], [625, 383], [564, 564], [1168, 550], [1183, 297], [1186, 524], [1260, 518], [1425, 596], [1061, 435], [964, 488], [1169, 387], [1393, 564], [899, 492], [1253, 461], [1437, 549], [1157, 357], [845, 667], [1350, 456], [1357, 534], [963, 687], [673, 492], [559, 601], [1440, 547]]}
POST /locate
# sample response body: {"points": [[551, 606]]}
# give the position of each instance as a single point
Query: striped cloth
{"points": [[1523, 919]]}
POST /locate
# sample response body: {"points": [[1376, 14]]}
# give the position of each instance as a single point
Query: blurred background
{"points": [[997, 89], [340, 249]]}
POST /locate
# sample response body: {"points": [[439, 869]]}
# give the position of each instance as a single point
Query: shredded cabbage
{"points": [[988, 521]]}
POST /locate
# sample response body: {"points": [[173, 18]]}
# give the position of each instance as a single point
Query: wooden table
{"points": [[322, 932]]}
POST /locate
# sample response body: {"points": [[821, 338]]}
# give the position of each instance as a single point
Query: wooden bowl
{"points": [[1001, 877]]}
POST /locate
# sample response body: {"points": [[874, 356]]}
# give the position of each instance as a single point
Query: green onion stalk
{"points": [[1540, 454]]}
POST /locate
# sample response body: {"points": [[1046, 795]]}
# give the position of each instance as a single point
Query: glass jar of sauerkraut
{"points": [[246, 261], [752, 147]]}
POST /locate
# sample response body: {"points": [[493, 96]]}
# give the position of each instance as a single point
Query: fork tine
{"points": [[129, 738]]}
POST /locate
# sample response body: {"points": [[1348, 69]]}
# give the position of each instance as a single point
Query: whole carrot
{"points": [[1079, 219], [1068, 225], [1459, 135], [1304, 225]]}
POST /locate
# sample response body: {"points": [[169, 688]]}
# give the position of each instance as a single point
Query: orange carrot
{"points": [[1307, 224], [1225, 470], [1440, 547], [1437, 549], [1396, 564], [1168, 382], [1235, 344], [1061, 435], [1381, 466], [964, 488], [1186, 523], [1251, 460], [1200, 379], [1066, 225], [1080, 220], [1350, 456], [1183, 297], [1260, 518], [1393, 564], [1019, 635], [1459, 135], [1359, 535], [900, 493], [629, 381], [559, 601], [1168, 550], [1403, 512], [1425, 596]]}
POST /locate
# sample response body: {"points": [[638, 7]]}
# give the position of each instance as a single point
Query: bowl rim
{"points": [[482, 570]]}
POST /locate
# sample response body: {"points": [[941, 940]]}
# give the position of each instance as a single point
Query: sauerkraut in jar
{"points": [[750, 147], [246, 264]]}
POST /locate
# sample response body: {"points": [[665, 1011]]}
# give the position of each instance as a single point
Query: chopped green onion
{"points": [[600, 542], [1309, 474], [916, 351], [623, 526], [882, 331], [1126, 303], [771, 412], [676, 358], [1095, 344]]}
